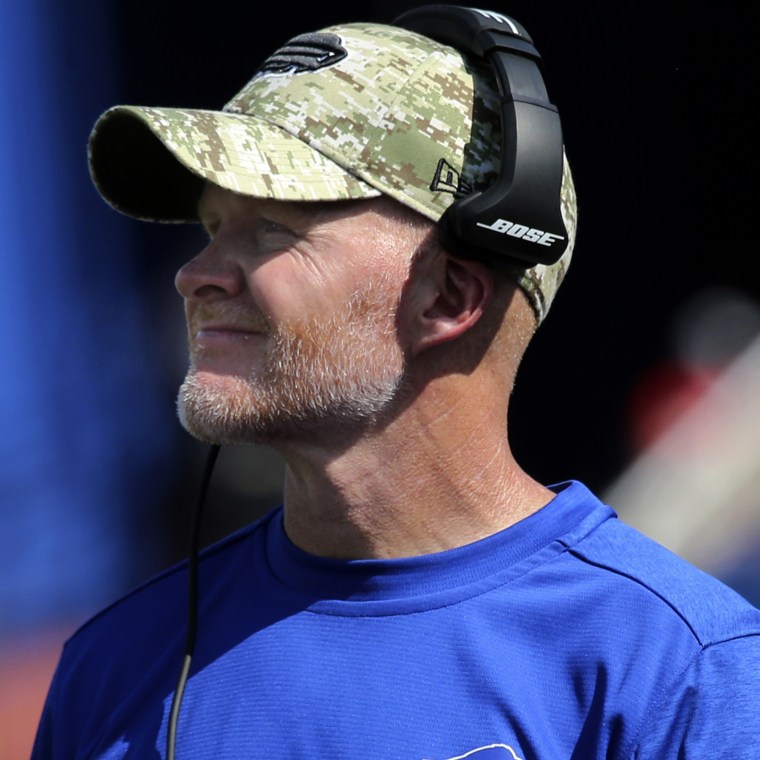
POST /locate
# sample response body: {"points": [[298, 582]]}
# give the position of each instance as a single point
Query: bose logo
{"points": [[530, 234]]}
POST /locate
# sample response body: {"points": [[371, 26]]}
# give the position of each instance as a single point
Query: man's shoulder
{"points": [[160, 602], [711, 610]]}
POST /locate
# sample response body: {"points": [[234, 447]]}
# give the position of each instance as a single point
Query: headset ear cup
{"points": [[517, 220]]}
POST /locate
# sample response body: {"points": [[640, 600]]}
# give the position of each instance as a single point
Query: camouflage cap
{"points": [[351, 111]]}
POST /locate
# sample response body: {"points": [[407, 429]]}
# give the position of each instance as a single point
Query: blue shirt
{"points": [[567, 635]]}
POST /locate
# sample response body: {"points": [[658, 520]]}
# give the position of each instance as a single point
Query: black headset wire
{"points": [[192, 603]]}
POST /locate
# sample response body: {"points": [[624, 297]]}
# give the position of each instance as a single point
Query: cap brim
{"points": [[152, 163]]}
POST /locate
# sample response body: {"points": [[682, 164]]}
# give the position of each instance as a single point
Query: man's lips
{"points": [[208, 334], [224, 328], [230, 329]]}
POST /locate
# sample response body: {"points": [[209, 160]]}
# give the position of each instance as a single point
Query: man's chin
{"points": [[229, 410], [196, 426], [209, 405]]}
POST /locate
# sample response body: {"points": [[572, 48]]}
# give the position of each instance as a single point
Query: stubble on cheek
{"points": [[347, 367]]}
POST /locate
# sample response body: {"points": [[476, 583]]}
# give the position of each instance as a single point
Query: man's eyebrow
{"points": [[205, 212], [201, 208]]}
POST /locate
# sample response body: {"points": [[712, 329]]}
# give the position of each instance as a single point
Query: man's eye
{"points": [[269, 236], [268, 226]]}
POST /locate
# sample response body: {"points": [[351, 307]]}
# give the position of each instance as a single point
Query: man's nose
{"points": [[210, 274]]}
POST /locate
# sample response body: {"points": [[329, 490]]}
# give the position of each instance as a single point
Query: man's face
{"points": [[292, 313]]}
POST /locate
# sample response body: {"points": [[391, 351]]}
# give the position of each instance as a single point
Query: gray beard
{"points": [[318, 377]]}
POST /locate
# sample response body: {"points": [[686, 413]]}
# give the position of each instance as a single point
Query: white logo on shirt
{"points": [[490, 752]]}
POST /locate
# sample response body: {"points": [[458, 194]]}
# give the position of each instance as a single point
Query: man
{"points": [[418, 595]]}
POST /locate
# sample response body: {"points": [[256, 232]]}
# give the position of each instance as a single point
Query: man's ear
{"points": [[452, 297]]}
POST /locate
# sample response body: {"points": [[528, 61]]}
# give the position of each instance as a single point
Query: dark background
{"points": [[659, 118]]}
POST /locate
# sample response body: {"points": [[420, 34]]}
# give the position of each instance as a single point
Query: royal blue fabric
{"points": [[568, 635], [78, 464]]}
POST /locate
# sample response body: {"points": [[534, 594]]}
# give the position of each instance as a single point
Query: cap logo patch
{"points": [[447, 180], [305, 53]]}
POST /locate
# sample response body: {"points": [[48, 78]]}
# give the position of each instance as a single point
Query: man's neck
{"points": [[427, 483]]}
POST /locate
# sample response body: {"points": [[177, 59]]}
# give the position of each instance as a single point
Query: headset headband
{"points": [[519, 217]]}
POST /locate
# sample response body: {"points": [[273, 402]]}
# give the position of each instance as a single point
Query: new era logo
{"points": [[447, 180]]}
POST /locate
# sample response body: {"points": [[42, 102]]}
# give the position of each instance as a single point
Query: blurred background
{"points": [[644, 382]]}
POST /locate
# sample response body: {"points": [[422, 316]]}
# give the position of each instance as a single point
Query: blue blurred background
{"points": [[96, 478]]}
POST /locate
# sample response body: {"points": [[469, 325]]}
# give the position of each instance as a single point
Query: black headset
{"points": [[518, 218]]}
